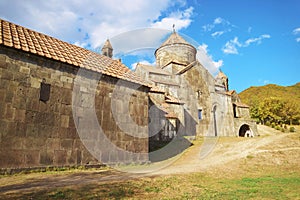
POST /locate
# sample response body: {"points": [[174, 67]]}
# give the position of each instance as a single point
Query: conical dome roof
{"points": [[221, 75], [175, 38], [107, 44]]}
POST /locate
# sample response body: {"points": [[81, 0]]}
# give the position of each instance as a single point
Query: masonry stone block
{"points": [[35, 82], [2, 96], [10, 112], [46, 157], [60, 157], [32, 157], [24, 70], [66, 79], [53, 143], [65, 121], [12, 158], [20, 129], [20, 115], [7, 75], [66, 144]]}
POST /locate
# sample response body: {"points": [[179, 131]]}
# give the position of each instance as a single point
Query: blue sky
{"points": [[255, 42]]}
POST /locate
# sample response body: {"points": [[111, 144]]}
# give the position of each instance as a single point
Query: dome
{"points": [[175, 48], [175, 39]]}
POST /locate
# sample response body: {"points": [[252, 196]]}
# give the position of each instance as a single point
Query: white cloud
{"points": [[218, 23], [217, 33], [207, 60], [180, 19], [145, 62], [296, 31], [231, 47], [218, 20], [298, 39], [91, 22], [81, 44], [256, 40], [208, 27], [138, 40]]}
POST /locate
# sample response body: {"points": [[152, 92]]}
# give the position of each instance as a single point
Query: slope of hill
{"points": [[257, 94], [273, 103]]}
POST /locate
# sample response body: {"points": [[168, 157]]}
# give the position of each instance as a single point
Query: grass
{"points": [[188, 186]]}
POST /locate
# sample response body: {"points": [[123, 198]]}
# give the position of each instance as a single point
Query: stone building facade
{"points": [[188, 100], [54, 96], [62, 105]]}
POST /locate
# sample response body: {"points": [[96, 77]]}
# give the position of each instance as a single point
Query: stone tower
{"points": [[175, 49], [223, 79], [107, 49]]}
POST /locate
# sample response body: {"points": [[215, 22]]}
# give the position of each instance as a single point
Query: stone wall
{"points": [[179, 52], [37, 133]]}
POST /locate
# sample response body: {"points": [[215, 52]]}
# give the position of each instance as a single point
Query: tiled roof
{"points": [[230, 92], [241, 105], [175, 38], [156, 89], [188, 67], [153, 69], [171, 115], [18, 37], [165, 82], [171, 99]]}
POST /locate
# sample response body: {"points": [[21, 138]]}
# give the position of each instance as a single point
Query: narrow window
{"points": [[199, 114], [44, 91]]}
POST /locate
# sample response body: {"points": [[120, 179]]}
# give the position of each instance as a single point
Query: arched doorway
{"points": [[244, 131]]}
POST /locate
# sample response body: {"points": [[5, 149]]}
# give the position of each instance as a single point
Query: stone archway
{"points": [[244, 131]]}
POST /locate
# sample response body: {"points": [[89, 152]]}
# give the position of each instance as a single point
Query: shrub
{"points": [[292, 129], [282, 130], [277, 128], [268, 123], [285, 126], [273, 125]]}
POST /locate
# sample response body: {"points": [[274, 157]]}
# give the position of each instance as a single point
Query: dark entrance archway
{"points": [[244, 128]]}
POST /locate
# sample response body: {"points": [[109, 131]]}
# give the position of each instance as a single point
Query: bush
{"points": [[273, 125], [268, 123], [282, 130], [285, 126], [292, 129], [277, 128]]}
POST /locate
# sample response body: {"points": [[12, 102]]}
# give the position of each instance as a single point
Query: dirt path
{"points": [[224, 150], [215, 154]]}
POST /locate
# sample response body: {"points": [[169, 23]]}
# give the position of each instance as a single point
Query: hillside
{"points": [[289, 93], [273, 103]]}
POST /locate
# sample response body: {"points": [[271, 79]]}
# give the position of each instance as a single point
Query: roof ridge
{"points": [[24, 39]]}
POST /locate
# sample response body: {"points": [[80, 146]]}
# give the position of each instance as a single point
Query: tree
{"points": [[271, 109], [291, 112]]}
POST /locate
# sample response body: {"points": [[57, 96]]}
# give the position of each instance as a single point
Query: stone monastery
{"points": [[63, 105]]}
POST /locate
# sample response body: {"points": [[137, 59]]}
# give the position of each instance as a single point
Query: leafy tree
{"points": [[273, 104], [291, 112]]}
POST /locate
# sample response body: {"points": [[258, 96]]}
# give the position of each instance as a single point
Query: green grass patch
{"points": [[189, 186]]}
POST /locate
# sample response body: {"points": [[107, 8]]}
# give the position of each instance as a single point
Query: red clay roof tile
{"points": [[18, 37]]}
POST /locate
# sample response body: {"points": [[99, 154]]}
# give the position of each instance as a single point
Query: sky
{"points": [[254, 42]]}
